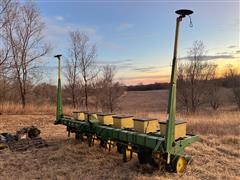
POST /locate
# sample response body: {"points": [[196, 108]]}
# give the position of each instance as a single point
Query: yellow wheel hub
{"points": [[110, 145], [181, 164], [127, 154]]}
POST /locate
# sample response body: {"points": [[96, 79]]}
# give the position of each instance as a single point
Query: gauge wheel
{"points": [[179, 164]]}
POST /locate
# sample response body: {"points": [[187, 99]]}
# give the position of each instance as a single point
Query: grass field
{"points": [[215, 156]]}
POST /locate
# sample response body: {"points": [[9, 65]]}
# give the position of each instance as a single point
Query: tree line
{"points": [[198, 84], [148, 87], [87, 82], [89, 85], [22, 49]]}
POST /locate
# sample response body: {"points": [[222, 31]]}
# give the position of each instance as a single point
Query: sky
{"points": [[137, 36]]}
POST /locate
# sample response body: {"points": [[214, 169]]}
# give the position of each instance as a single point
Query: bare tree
{"points": [[43, 93], [4, 55], [183, 89], [214, 96], [193, 75], [72, 72], [236, 92], [110, 91], [5, 8], [232, 77], [73, 81], [85, 54], [24, 32]]}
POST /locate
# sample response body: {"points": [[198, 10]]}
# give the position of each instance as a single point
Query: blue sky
{"points": [[137, 36]]}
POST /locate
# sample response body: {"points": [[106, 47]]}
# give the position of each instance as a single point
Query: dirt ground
{"points": [[215, 157]]}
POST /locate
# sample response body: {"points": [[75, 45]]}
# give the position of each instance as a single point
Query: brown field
{"points": [[215, 156], [144, 101]]}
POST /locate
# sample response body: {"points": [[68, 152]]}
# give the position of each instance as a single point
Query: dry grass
{"points": [[30, 109], [216, 155], [144, 101], [215, 123]]}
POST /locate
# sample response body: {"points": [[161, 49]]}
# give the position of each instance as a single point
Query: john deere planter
{"points": [[156, 143]]}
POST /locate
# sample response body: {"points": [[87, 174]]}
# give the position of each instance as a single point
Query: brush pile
{"points": [[24, 139]]}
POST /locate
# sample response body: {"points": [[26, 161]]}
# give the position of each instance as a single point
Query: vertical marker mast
{"points": [[170, 135], [59, 112]]}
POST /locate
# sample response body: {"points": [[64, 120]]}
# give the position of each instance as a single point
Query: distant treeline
{"points": [[223, 82], [147, 87]]}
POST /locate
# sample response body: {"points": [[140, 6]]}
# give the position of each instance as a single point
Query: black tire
{"points": [[103, 143], [81, 137], [119, 148], [145, 157], [169, 168], [153, 163], [77, 137], [90, 140], [124, 155], [142, 157]]}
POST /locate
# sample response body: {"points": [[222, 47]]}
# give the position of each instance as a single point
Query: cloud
{"points": [[145, 69], [159, 77], [207, 58], [146, 79], [150, 69], [115, 62], [222, 53], [55, 29], [57, 32], [59, 18], [231, 46], [120, 64], [125, 26]]}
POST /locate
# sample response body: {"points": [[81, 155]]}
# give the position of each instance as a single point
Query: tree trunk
{"points": [[23, 100], [22, 91], [73, 98], [192, 97], [86, 96]]}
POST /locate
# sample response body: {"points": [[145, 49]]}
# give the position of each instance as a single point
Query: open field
{"points": [[156, 101], [144, 101], [215, 156], [132, 102]]}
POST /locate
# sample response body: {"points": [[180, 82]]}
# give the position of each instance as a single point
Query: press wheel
{"points": [[179, 164]]}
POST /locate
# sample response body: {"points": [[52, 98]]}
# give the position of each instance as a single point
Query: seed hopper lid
{"points": [[144, 119], [90, 113], [78, 111], [177, 122], [122, 116], [105, 114]]}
